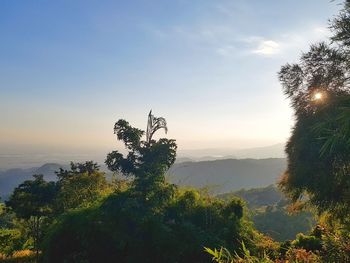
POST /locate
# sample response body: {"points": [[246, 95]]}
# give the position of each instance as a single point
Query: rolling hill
{"points": [[223, 176], [11, 178]]}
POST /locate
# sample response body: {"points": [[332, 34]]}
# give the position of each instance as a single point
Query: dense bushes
{"points": [[20, 256], [278, 223], [127, 228], [10, 240]]}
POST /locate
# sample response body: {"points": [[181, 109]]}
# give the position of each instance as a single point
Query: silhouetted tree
{"points": [[146, 161], [33, 201], [319, 148]]}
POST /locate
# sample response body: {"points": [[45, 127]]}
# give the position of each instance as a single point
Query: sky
{"points": [[70, 69]]}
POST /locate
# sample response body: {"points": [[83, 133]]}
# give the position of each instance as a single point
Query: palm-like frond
{"points": [[154, 124]]}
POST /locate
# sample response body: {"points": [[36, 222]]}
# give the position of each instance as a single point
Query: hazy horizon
{"points": [[35, 159]]}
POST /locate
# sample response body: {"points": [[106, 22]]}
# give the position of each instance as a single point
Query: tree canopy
{"points": [[147, 160], [319, 148], [83, 184]]}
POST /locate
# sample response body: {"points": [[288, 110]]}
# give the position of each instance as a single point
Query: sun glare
{"points": [[318, 96]]}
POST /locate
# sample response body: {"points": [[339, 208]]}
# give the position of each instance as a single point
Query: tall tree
{"points": [[33, 201], [319, 148], [147, 160]]}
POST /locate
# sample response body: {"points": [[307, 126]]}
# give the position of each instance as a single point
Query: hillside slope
{"points": [[227, 175], [9, 179]]}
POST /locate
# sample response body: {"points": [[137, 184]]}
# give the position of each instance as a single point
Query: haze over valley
{"points": [[175, 131]]}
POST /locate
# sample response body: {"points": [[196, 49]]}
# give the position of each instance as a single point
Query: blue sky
{"points": [[70, 69]]}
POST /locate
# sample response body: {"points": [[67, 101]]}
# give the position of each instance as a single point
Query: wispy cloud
{"points": [[267, 47], [261, 46], [226, 41], [288, 43]]}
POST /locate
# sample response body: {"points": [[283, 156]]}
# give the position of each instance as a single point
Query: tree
{"points": [[147, 161], [82, 185], [319, 148], [10, 237], [33, 201]]}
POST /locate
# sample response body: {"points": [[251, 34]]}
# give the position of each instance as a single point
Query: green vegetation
{"points": [[318, 150], [223, 176], [270, 213], [83, 218], [140, 217], [32, 201], [80, 186], [150, 220], [278, 223], [36, 204], [224, 255], [259, 197]]}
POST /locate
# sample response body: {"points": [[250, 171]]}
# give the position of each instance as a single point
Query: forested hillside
{"points": [[269, 212], [222, 176], [148, 208]]}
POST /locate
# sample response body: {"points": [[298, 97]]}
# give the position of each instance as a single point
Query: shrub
{"points": [[309, 243], [127, 228], [20, 256]]}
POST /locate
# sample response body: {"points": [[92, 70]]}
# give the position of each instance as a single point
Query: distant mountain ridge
{"points": [[227, 175], [11, 178], [210, 154], [221, 176]]}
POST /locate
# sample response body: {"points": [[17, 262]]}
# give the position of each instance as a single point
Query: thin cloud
{"points": [[292, 42], [227, 42], [267, 47]]}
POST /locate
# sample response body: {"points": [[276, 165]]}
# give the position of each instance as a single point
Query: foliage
{"points": [[224, 256], [33, 198], [6, 217], [258, 197], [276, 222], [146, 161], [335, 239], [10, 240], [124, 228], [268, 209], [309, 243], [319, 148], [37, 202], [151, 220], [301, 255], [33, 201], [83, 184], [15, 233], [20, 256]]}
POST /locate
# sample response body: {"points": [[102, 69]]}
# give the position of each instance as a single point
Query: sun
{"points": [[318, 96]]}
